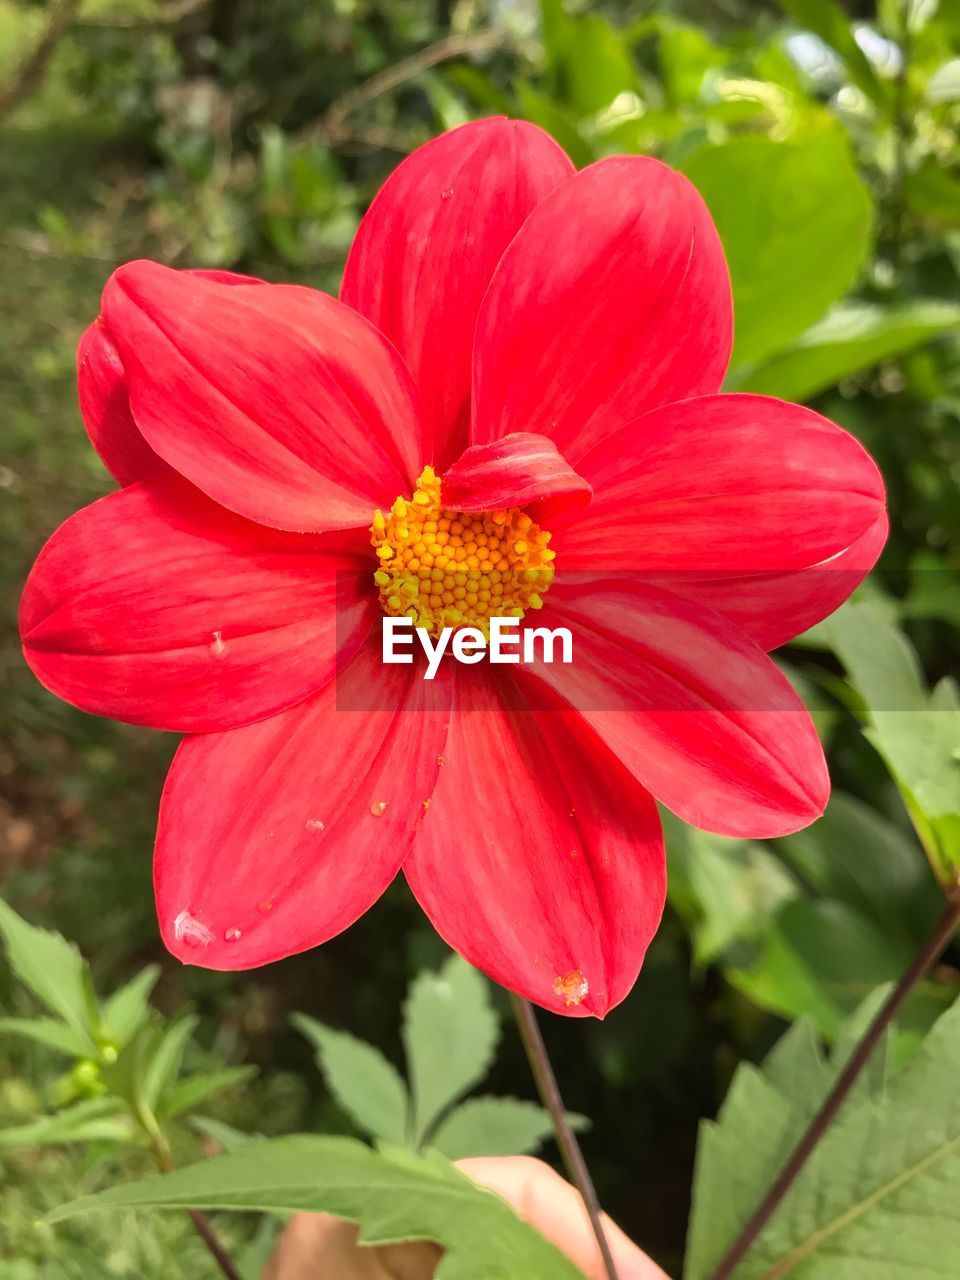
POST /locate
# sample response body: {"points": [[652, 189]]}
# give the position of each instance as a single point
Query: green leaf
{"points": [[128, 1009], [880, 1196], [725, 890], [851, 339], [193, 1090], [224, 1135], [917, 733], [54, 971], [364, 1083], [826, 19], [55, 1035], [162, 1062], [392, 1198], [780, 206], [450, 1033], [588, 60], [94, 1120], [496, 1127]]}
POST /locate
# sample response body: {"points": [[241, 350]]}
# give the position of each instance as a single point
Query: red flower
{"points": [[570, 333]]}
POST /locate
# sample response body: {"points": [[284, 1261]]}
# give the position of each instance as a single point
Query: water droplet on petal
{"points": [[572, 987], [445, 195], [314, 824], [265, 906], [378, 808], [217, 647], [188, 929], [232, 935]]}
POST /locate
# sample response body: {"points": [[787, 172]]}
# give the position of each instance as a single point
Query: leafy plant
{"points": [[882, 1191], [450, 1034]]}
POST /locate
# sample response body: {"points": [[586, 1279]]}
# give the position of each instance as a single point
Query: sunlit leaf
{"points": [[795, 220]]}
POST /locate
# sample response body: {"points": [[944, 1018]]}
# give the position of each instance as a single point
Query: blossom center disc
{"points": [[444, 568]]}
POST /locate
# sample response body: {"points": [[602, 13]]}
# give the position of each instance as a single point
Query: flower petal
{"points": [[427, 248], [696, 711], [105, 409], [540, 859], [727, 483], [774, 607], [276, 837], [156, 606], [613, 299], [105, 400], [519, 470], [278, 402]]}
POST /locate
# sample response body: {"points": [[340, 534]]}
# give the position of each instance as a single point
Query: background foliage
{"points": [[232, 133]]}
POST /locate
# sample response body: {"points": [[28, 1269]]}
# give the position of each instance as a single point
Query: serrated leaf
{"points": [[850, 339], [193, 1090], [880, 1196], [409, 1199], [54, 971], [55, 1035], [128, 1009], [778, 207], [450, 1033], [496, 1127], [93, 1120], [364, 1083]]}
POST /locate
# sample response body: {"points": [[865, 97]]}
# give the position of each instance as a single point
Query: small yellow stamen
{"points": [[444, 568]]}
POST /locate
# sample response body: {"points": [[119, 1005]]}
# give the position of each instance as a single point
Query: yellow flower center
{"points": [[445, 568]]}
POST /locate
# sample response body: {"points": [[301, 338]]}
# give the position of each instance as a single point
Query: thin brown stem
{"points": [[333, 124], [202, 1224], [28, 75], [549, 1091], [927, 956]]}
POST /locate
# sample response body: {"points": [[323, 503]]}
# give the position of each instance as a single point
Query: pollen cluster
{"points": [[443, 568]]}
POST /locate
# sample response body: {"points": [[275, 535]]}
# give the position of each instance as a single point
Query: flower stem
{"points": [[202, 1224], [927, 956], [549, 1091]]}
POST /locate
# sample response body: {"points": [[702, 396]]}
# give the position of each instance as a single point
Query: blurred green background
{"points": [[239, 134]]}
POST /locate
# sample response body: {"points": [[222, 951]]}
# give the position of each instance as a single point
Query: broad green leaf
{"points": [[364, 1083], [852, 338], [56, 1035], [450, 1033], [193, 1090], [726, 890], [496, 1127], [917, 733], [856, 856], [780, 208], [587, 59], [819, 959], [54, 971], [94, 1120], [128, 1009], [881, 1195], [826, 19], [391, 1198]]}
